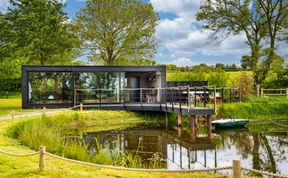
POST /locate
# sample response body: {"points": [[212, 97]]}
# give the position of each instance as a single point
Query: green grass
{"points": [[51, 131], [10, 95], [266, 114], [28, 166], [9, 105]]}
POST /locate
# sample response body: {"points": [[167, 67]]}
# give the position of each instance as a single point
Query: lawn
{"points": [[28, 166]]}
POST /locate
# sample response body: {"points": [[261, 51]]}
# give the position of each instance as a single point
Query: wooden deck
{"points": [[176, 108]]}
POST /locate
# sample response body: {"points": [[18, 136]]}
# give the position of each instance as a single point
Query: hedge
{"points": [[10, 84]]}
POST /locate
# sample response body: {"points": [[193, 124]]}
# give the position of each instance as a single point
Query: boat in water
{"points": [[230, 123]]}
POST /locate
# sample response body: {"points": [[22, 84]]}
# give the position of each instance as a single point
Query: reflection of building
{"points": [[64, 86], [175, 152]]}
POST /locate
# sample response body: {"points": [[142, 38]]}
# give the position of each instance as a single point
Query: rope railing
{"points": [[236, 167], [14, 114], [18, 155]]}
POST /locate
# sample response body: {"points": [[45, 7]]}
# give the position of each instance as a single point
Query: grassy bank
{"points": [[28, 166], [52, 132], [267, 114]]}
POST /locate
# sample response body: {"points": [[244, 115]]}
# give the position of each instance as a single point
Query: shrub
{"points": [[7, 84], [245, 82]]}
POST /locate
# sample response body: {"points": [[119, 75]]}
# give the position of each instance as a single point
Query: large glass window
{"points": [[99, 87], [50, 87]]}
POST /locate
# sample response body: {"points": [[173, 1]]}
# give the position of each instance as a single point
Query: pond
{"points": [[177, 150]]}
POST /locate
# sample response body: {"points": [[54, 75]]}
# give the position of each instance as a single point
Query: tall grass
{"points": [[51, 132], [257, 108]]}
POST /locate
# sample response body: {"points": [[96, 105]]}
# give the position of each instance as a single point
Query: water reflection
{"points": [[179, 151]]}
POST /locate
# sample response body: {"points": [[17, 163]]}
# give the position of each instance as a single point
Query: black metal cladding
{"points": [[73, 70]]}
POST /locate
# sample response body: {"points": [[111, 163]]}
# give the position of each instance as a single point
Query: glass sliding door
{"points": [[99, 87], [50, 87]]}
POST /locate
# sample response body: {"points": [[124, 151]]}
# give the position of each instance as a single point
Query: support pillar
{"points": [[209, 127], [192, 127]]}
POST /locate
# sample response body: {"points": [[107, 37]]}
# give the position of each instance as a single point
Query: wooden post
{"points": [[192, 126], [209, 126], [236, 169], [13, 114], [42, 150], [258, 90], [180, 131], [287, 92], [262, 93], [179, 120], [81, 107]]}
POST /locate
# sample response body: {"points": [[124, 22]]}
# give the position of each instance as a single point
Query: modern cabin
{"points": [[68, 86]]}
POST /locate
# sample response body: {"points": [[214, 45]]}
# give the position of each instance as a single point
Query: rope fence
{"points": [[13, 114], [236, 166]]}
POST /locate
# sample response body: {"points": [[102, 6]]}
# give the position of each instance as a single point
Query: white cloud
{"points": [[182, 8], [4, 5], [183, 37], [180, 62]]}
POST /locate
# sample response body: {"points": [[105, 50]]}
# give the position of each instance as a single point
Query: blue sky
{"points": [[182, 40]]}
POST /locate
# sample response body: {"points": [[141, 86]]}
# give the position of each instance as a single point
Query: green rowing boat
{"points": [[230, 123]]}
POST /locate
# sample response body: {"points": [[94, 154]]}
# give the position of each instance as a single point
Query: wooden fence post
{"points": [[287, 92], [13, 114], [258, 90], [236, 169], [262, 92], [42, 150], [81, 107]]}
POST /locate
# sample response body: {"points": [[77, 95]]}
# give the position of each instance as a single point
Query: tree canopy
{"points": [[115, 31], [260, 21], [39, 32]]}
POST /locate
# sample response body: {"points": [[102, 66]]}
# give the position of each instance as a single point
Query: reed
{"points": [[51, 132]]}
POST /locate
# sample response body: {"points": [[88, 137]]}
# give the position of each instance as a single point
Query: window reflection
{"points": [[99, 87], [50, 87]]}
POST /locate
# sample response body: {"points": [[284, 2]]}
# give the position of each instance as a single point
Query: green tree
{"points": [[259, 20], [118, 30], [40, 32]]}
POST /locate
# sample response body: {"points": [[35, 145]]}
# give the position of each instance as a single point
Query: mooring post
{"points": [[209, 126], [42, 150], [236, 169], [81, 106], [192, 126]]}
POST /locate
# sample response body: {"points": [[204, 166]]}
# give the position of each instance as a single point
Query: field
{"points": [[190, 76]]}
